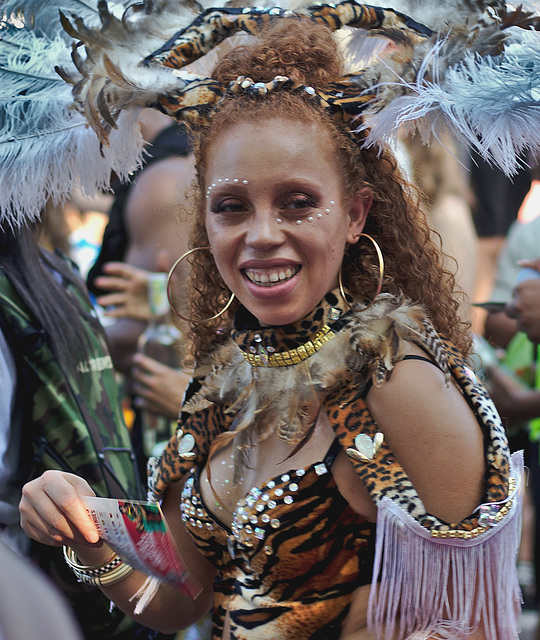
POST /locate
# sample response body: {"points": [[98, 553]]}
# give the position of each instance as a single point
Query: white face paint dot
{"points": [[244, 182], [235, 180], [332, 202], [226, 179], [327, 210], [319, 215], [299, 222], [279, 220], [310, 219]]}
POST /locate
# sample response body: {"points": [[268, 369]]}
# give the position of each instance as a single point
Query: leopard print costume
{"points": [[288, 566]]}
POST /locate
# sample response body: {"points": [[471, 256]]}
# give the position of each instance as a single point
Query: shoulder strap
{"points": [[369, 383]]}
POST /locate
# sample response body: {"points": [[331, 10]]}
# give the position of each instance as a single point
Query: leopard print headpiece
{"points": [[193, 97], [473, 71]]}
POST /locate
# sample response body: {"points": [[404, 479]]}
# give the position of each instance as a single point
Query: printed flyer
{"points": [[138, 532]]}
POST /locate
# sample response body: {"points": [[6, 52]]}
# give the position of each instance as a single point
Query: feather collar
{"points": [[365, 345]]}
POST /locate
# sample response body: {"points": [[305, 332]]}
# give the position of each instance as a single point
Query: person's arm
{"points": [[514, 402], [525, 305], [52, 513], [499, 329], [521, 243], [434, 435]]}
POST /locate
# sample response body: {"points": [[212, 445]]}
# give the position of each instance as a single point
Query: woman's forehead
{"points": [[258, 146]]}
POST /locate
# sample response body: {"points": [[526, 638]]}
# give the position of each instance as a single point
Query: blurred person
{"points": [[496, 201], [146, 226], [146, 221], [443, 183], [521, 244], [158, 387], [525, 305], [514, 385], [59, 407], [30, 605]]}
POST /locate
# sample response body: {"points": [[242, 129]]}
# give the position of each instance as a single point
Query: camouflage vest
{"points": [[74, 426]]}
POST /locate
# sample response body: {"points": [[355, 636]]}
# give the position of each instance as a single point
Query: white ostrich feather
{"points": [[42, 16], [46, 149], [491, 103]]}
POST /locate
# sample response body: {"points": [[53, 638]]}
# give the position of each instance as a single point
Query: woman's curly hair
{"points": [[307, 52]]}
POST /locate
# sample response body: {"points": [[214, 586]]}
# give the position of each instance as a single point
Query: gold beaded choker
{"points": [[293, 356]]}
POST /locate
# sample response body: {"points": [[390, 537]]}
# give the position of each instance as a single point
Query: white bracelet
{"points": [[108, 572]]}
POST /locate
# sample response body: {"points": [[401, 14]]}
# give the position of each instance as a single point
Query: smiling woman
{"points": [[337, 472], [278, 236]]}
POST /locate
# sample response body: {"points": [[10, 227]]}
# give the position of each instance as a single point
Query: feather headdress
{"points": [[75, 72]]}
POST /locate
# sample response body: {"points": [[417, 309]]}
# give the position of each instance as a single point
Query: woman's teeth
{"points": [[268, 278]]}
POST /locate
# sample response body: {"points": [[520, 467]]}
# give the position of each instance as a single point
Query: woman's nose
{"points": [[264, 230]]}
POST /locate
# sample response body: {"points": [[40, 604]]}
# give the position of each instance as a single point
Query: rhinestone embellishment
{"points": [[253, 517], [264, 358], [488, 515]]}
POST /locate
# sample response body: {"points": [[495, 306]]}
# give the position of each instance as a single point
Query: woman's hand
{"points": [[525, 305], [52, 511], [158, 388], [129, 291]]}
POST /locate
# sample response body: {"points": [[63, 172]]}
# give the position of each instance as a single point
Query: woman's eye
{"points": [[299, 202], [227, 206]]}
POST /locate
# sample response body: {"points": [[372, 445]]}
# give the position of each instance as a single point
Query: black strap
{"points": [[369, 383], [415, 357], [331, 455]]}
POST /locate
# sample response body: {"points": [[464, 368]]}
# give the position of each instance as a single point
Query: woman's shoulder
{"points": [[427, 436], [435, 436]]}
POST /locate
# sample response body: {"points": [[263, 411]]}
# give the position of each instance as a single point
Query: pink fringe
{"points": [[424, 586]]}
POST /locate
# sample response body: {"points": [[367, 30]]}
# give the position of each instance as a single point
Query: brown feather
{"points": [[281, 399]]}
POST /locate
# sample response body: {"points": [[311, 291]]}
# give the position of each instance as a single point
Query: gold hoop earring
{"points": [[381, 273], [169, 276]]}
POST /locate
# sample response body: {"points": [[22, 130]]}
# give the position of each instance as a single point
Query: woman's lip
{"points": [[269, 264], [277, 289]]}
